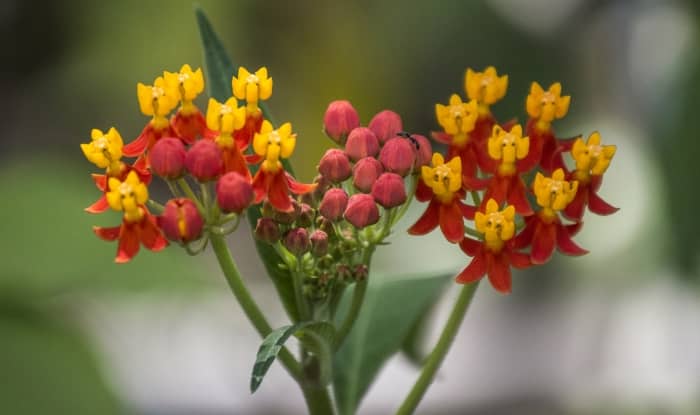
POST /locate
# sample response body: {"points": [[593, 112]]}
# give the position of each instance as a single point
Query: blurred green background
{"points": [[630, 66]]}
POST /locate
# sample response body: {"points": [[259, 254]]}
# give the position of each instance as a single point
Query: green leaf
{"points": [[390, 310], [414, 343], [315, 335], [219, 69]]}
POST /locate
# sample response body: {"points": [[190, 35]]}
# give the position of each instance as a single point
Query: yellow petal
{"points": [[213, 112], [287, 145], [437, 160], [145, 96], [260, 143], [491, 206]]}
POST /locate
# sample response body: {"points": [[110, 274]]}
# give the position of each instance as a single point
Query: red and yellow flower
{"points": [[441, 184], [544, 230], [156, 100], [105, 151], [272, 181], [505, 150], [188, 123], [543, 107], [138, 225], [592, 160], [223, 119], [495, 254], [486, 88], [253, 88], [458, 120]]}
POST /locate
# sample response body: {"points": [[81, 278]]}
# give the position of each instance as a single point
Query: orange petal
{"points": [[150, 235], [428, 221], [100, 181], [543, 242], [566, 245], [138, 146], [470, 246], [99, 206], [474, 271], [278, 192], [599, 206], [499, 273], [517, 198], [107, 234], [298, 188], [452, 221], [128, 244]]}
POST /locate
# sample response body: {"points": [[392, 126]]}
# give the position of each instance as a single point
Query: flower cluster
{"points": [[191, 147], [497, 158]]}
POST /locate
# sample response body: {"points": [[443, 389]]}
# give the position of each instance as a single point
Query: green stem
{"points": [[251, 309], [190, 193], [436, 357], [298, 283], [358, 298], [318, 400]]}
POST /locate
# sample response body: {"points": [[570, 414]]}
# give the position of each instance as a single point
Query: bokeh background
{"points": [[615, 332]]}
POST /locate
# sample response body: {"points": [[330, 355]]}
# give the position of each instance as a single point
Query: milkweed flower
{"points": [[105, 151], [486, 88], [441, 184], [138, 225], [544, 107], [458, 120], [544, 230], [272, 181], [188, 123], [592, 160], [495, 254], [223, 119], [156, 100], [505, 150], [253, 88]]}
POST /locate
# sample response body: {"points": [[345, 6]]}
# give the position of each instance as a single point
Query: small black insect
{"points": [[408, 136]]}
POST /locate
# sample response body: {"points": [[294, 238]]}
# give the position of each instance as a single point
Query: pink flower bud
{"points": [[361, 143], [287, 218], [267, 230], [361, 211], [297, 241], [306, 216], [386, 125], [424, 151], [389, 190], [204, 160], [181, 220], [335, 166], [234, 193], [168, 158], [319, 243], [339, 120], [365, 173], [398, 156], [333, 204], [343, 271]]}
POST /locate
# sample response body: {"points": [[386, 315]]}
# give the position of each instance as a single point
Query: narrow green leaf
{"points": [[314, 334], [219, 69], [391, 309], [414, 343]]}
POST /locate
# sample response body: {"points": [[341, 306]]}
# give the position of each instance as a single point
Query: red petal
{"points": [[468, 158], [451, 221], [497, 190], [574, 228], [566, 245], [128, 243], [107, 234], [278, 192], [234, 161], [549, 151], [428, 221], [142, 163], [470, 246], [520, 260], [188, 127], [599, 206], [423, 191], [150, 235], [99, 206], [524, 238], [260, 185], [574, 210], [297, 187], [509, 124], [441, 137], [252, 158], [473, 183], [499, 273], [468, 211], [543, 242], [474, 271], [138, 146], [517, 198], [100, 181]]}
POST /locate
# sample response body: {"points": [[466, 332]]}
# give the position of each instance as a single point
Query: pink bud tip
{"points": [[362, 211], [204, 160], [386, 125], [335, 166], [398, 156], [389, 190], [234, 193], [181, 221], [362, 142], [333, 204], [168, 158], [339, 120], [365, 173]]}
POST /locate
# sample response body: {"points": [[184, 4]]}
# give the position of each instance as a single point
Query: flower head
{"points": [[274, 145], [554, 193], [158, 99], [252, 87], [128, 196], [444, 179], [546, 106], [507, 147], [485, 87], [497, 225], [188, 84], [458, 118], [591, 157], [225, 118], [104, 150]]}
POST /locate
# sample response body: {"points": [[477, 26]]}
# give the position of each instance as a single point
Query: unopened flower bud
{"points": [[365, 173], [335, 166], [398, 156], [389, 190], [361, 211], [360, 272], [334, 203], [339, 120], [267, 230], [386, 125], [181, 221], [424, 150], [287, 218], [319, 243], [306, 216], [167, 158], [362, 142], [343, 272], [204, 160], [297, 241], [234, 193], [325, 225]]}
